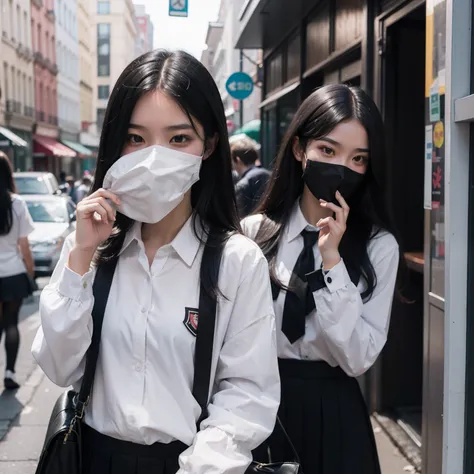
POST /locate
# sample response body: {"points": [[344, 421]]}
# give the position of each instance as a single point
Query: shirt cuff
{"points": [[337, 277], [73, 286]]}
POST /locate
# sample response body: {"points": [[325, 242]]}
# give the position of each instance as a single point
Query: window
{"points": [[100, 117], [103, 8], [103, 49], [103, 92]]}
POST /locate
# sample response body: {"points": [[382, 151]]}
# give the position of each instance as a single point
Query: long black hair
{"points": [[7, 188], [317, 116], [189, 84]]}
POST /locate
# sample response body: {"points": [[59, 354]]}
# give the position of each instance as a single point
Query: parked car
{"points": [[35, 182], [54, 218]]}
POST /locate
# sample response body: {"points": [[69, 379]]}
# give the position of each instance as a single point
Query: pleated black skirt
{"points": [[15, 287], [326, 418], [105, 455]]}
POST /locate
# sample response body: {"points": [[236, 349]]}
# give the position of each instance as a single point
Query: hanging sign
{"points": [[178, 8]]}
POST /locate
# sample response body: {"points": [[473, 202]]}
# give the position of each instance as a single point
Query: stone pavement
{"points": [[24, 414]]}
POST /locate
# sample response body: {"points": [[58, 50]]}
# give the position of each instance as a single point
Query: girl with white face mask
{"points": [[163, 190]]}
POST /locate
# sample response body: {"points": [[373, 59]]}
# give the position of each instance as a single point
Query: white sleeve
{"points": [[65, 333], [250, 225], [242, 412], [26, 226], [354, 331]]}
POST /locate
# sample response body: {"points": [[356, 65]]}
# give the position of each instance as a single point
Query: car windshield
{"points": [[48, 211], [31, 185]]}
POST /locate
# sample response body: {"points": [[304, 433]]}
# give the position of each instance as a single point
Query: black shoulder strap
{"points": [[102, 283], [205, 330]]}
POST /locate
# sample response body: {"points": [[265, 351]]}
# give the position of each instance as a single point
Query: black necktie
{"points": [[299, 300]]}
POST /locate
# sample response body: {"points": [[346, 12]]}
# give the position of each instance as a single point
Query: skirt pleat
{"points": [[325, 416], [105, 455]]}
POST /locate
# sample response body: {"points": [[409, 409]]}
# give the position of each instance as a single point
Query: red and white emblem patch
{"points": [[191, 317]]}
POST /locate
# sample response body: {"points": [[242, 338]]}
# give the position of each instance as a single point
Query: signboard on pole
{"points": [[239, 85], [178, 8]]}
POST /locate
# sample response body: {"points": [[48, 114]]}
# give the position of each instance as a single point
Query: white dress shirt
{"points": [[143, 384], [342, 330], [11, 260]]}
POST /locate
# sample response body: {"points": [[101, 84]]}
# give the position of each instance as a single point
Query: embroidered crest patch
{"points": [[191, 316]]}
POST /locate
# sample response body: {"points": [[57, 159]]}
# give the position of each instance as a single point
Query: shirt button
{"points": [[138, 367], [143, 310], [84, 284], [131, 419], [329, 279]]}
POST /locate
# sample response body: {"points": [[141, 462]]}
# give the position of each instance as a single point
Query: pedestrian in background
{"points": [[72, 189], [324, 227], [252, 179], [16, 265], [164, 162], [84, 188]]}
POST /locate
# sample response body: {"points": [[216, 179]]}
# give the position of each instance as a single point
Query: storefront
{"points": [[15, 147], [402, 53], [51, 155]]}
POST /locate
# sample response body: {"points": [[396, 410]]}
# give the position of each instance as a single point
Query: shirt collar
{"points": [[298, 223], [185, 244]]}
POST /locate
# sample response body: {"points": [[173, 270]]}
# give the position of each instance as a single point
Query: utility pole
{"points": [[241, 105]]}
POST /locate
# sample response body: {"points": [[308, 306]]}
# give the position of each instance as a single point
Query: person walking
{"points": [[16, 266]]}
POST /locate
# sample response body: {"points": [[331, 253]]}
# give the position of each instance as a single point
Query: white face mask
{"points": [[152, 181]]}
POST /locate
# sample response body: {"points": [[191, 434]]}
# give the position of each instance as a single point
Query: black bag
{"points": [[202, 374], [61, 452]]}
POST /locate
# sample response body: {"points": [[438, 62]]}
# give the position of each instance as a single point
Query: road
{"points": [[24, 414]]}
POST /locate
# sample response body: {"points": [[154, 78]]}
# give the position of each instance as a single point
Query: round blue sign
{"points": [[239, 85]]}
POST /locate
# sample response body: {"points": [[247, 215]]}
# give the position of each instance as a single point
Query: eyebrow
{"points": [[178, 126], [336, 143]]}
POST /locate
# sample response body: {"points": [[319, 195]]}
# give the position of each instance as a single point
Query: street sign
{"points": [[239, 85], [178, 8]]}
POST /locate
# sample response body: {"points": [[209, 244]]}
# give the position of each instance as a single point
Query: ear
{"points": [[297, 149], [211, 145]]}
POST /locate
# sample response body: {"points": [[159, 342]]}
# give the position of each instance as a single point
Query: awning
{"points": [[251, 129], [13, 137], [81, 150], [49, 146]]}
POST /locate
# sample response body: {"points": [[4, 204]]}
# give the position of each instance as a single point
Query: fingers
{"points": [[343, 203], [105, 203], [88, 209], [340, 216], [328, 222], [104, 194]]}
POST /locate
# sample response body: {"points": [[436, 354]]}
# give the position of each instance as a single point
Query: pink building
{"points": [[45, 70], [146, 29]]}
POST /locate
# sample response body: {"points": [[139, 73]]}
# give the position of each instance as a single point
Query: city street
{"points": [[24, 414]]}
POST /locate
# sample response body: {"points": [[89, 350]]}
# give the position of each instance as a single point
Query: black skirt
{"points": [[326, 418], [15, 287], [105, 455]]}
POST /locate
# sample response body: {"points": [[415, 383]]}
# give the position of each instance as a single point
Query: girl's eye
{"points": [[327, 151], [134, 139], [361, 160], [180, 139]]}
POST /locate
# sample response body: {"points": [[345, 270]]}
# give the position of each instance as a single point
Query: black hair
{"points": [[7, 188], [317, 116], [183, 78]]}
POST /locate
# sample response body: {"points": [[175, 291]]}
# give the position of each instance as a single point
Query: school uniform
{"points": [[14, 281], [142, 415], [322, 407]]}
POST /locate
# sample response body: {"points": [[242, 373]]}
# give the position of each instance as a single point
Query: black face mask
{"points": [[324, 179]]}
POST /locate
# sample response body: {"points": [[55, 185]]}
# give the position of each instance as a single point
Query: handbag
{"points": [[62, 449], [202, 373]]}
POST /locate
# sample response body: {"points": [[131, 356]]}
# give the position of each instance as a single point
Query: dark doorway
{"points": [[400, 375]]}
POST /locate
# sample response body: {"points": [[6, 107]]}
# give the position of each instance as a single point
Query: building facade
{"points": [[67, 53], [17, 99], [227, 60], [415, 58], [145, 30], [43, 32], [114, 47]]}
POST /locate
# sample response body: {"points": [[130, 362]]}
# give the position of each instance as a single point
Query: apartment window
{"points": [[103, 49], [8, 92], [103, 8], [46, 45], [40, 49], [10, 11], [25, 29], [103, 92], [100, 117], [18, 24]]}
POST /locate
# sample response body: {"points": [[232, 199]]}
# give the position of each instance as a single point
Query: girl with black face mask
{"points": [[324, 227]]}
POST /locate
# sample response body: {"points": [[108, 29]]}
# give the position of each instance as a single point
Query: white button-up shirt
{"points": [[342, 330], [11, 260], [143, 384]]}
